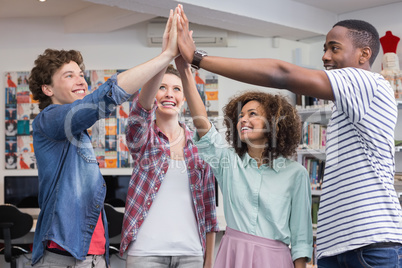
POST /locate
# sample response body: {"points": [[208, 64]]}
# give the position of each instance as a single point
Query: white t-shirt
{"points": [[170, 229]]}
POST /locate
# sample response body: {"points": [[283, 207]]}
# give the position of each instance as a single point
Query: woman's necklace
{"points": [[176, 146]]}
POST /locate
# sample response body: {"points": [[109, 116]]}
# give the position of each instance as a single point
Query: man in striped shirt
{"points": [[360, 219]]}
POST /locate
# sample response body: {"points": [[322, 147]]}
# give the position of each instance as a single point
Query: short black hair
{"points": [[363, 34]]}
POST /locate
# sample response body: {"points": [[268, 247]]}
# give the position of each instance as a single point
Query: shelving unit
{"points": [[319, 154], [321, 115], [316, 115]]}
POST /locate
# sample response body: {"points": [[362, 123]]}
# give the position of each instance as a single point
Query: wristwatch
{"points": [[198, 55]]}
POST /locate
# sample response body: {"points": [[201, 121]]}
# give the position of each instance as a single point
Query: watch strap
{"points": [[198, 56]]}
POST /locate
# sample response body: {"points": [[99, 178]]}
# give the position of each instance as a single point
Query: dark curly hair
{"points": [[281, 116], [46, 65], [363, 34]]}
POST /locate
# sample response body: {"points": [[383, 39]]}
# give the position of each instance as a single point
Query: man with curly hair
{"points": [[72, 228], [360, 217]]}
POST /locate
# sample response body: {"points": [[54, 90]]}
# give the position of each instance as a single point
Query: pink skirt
{"points": [[242, 250]]}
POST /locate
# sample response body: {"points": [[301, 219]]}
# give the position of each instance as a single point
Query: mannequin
{"points": [[390, 63], [389, 42]]}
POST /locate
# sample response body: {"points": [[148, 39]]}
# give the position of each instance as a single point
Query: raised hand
{"points": [[168, 27], [170, 35], [185, 40], [181, 63]]}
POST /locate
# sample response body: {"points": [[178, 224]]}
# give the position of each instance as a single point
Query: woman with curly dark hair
{"points": [[284, 136], [266, 195]]}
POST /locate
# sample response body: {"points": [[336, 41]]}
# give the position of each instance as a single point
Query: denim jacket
{"points": [[71, 187]]}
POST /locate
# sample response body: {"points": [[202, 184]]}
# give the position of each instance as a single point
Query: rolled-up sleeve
{"points": [[300, 220], [139, 127], [115, 93], [211, 223]]}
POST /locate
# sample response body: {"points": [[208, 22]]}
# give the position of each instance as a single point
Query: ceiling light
{"points": [[42, 0]]}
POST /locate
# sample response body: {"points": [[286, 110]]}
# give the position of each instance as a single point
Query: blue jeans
{"points": [[165, 262], [380, 255]]}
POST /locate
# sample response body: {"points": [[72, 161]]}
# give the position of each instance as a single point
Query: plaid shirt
{"points": [[150, 150]]}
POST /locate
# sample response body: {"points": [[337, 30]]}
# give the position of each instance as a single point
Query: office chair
{"points": [[13, 224], [115, 223]]}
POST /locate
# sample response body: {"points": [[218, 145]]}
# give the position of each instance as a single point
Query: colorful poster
{"points": [[107, 135], [208, 88]]}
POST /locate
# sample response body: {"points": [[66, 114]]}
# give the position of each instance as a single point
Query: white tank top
{"points": [[170, 229]]}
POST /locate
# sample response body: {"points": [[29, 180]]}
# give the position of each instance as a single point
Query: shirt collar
{"points": [[278, 163], [188, 133]]}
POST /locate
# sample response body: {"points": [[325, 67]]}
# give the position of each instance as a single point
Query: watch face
{"points": [[201, 52], [198, 55]]}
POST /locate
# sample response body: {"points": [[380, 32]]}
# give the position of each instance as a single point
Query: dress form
{"points": [[390, 63], [389, 42]]}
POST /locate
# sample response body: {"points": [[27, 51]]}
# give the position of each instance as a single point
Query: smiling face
{"points": [[10, 127], [170, 97], [10, 160], [252, 124], [339, 51], [68, 84]]}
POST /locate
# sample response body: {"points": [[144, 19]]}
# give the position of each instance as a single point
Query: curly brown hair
{"points": [[46, 65], [281, 116], [172, 70]]}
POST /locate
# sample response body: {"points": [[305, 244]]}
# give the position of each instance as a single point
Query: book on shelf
{"points": [[313, 136], [315, 168], [307, 102]]}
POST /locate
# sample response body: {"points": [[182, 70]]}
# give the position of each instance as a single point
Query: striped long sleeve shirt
{"points": [[358, 204]]}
